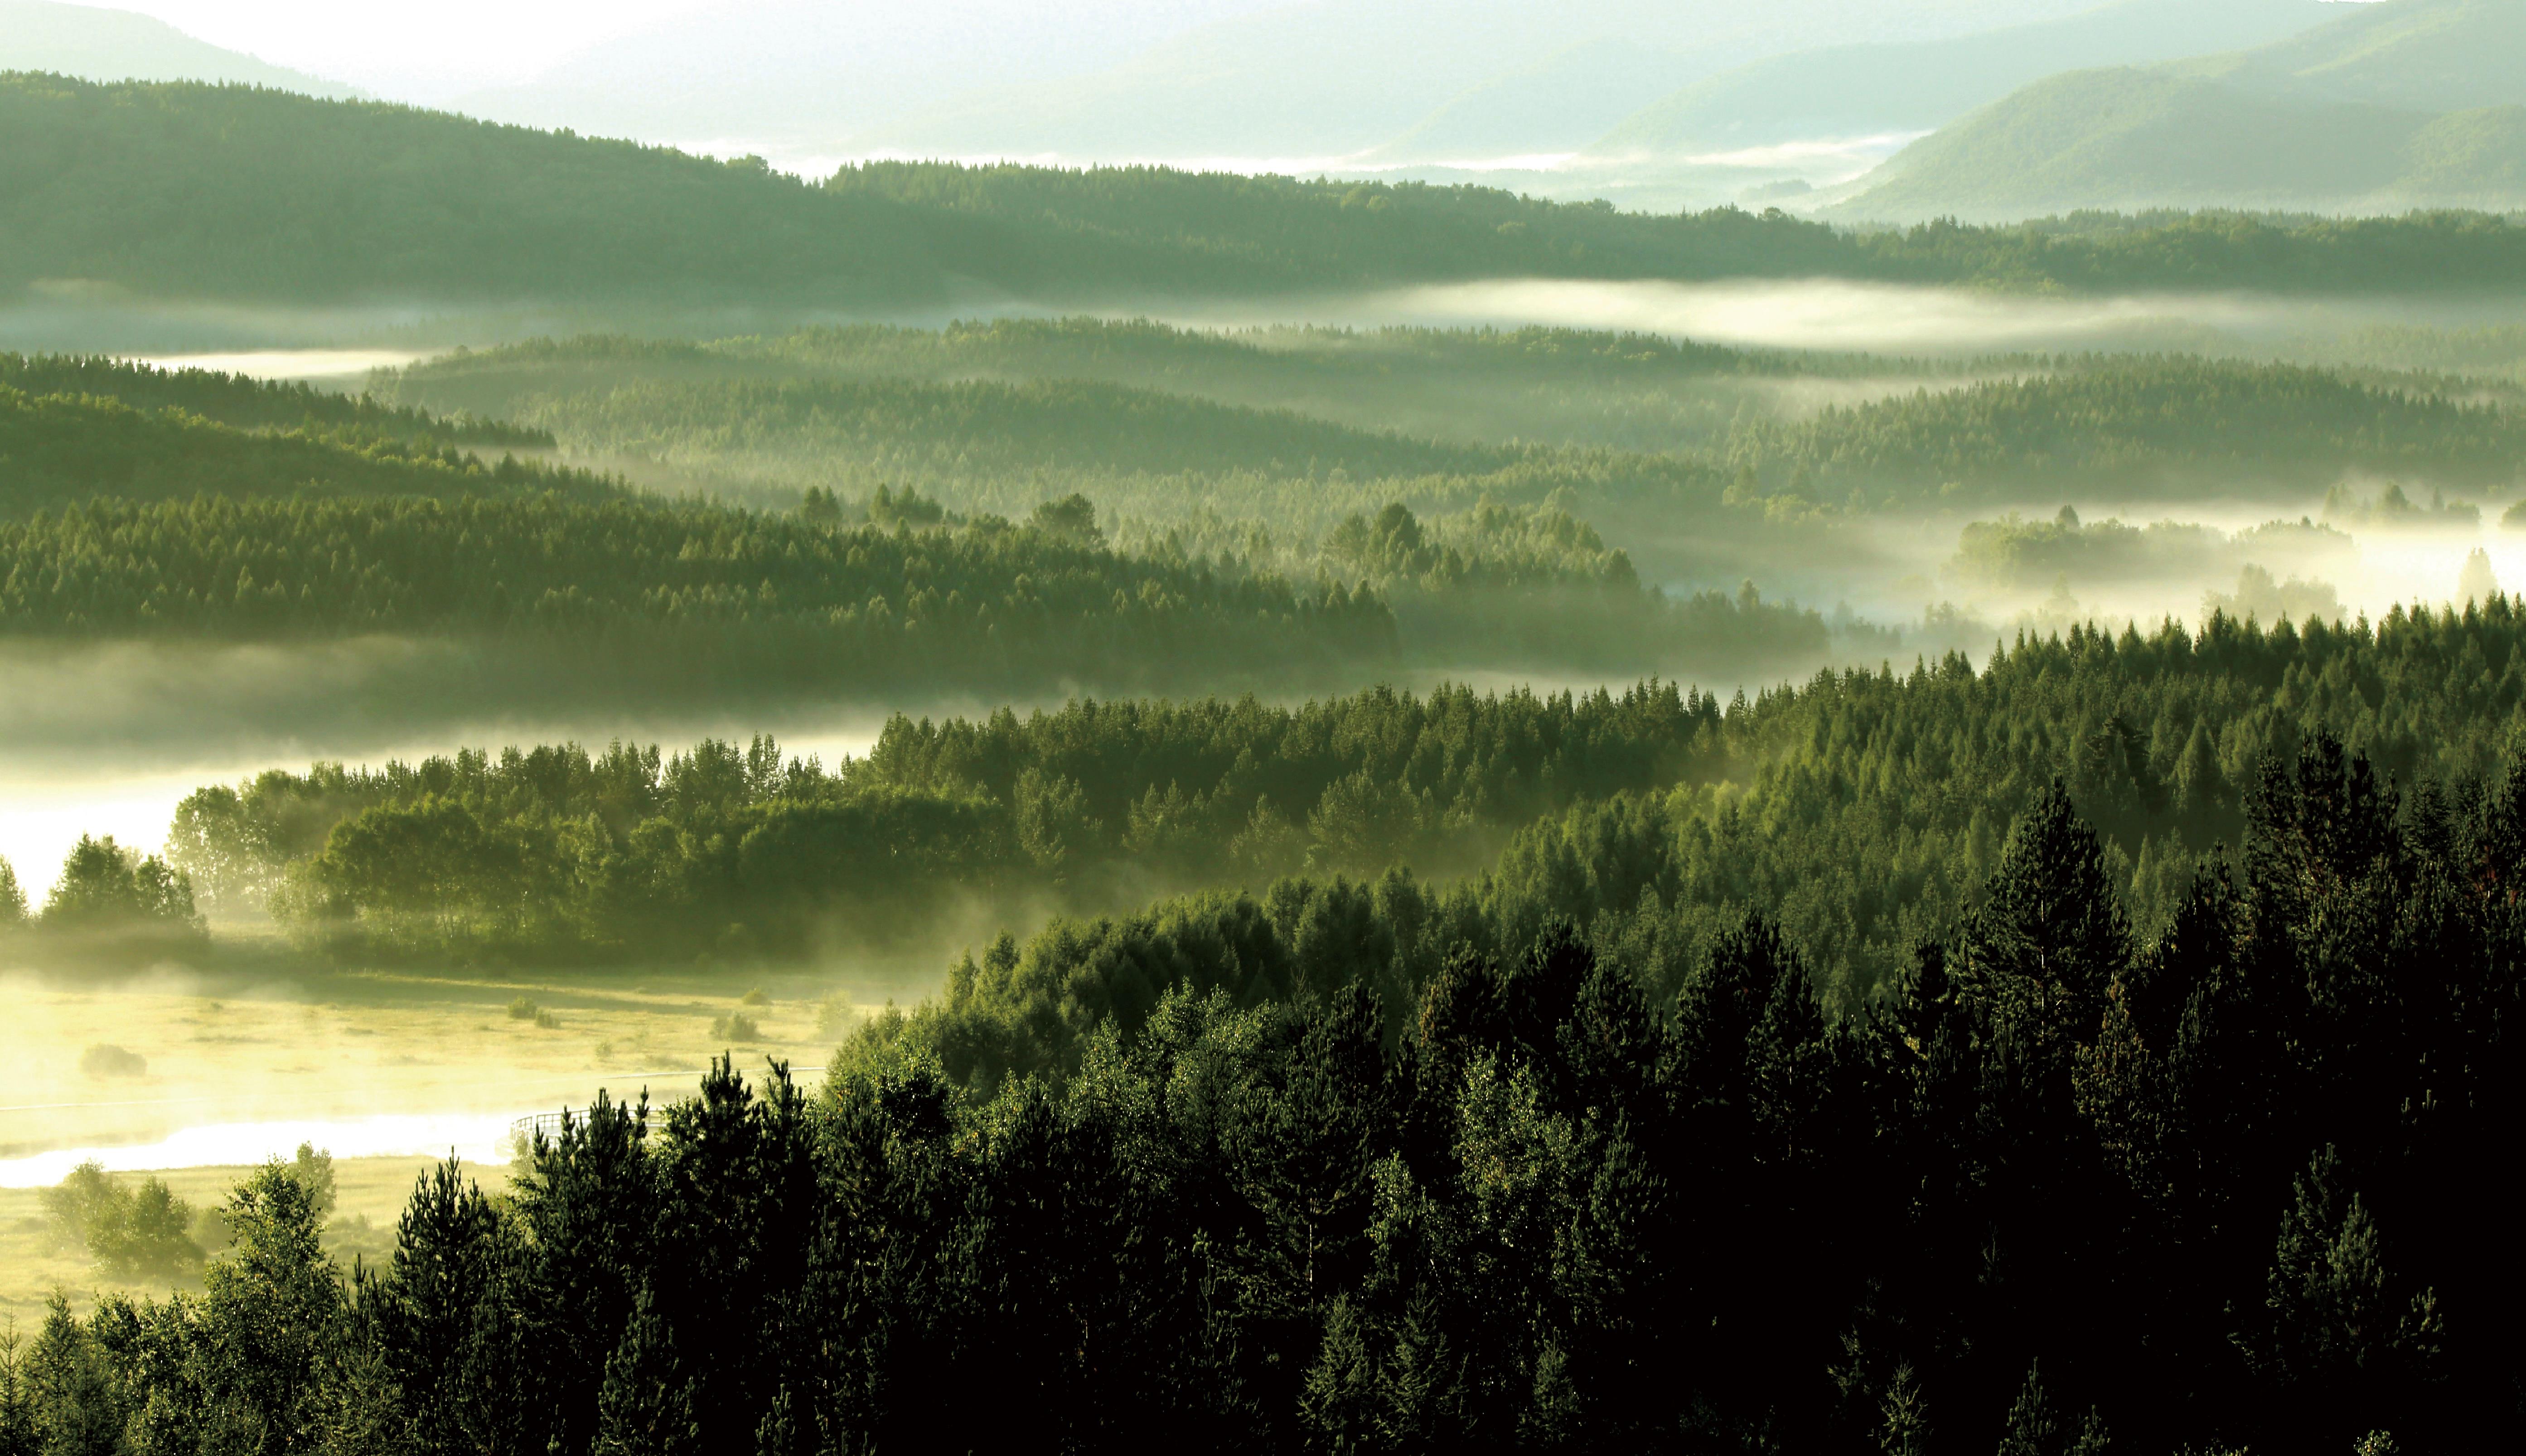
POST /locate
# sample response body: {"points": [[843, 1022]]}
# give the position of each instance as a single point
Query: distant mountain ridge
{"points": [[2403, 104], [1863, 90], [1397, 79], [108, 45]]}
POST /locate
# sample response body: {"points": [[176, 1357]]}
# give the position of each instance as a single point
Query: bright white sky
{"points": [[410, 51]]}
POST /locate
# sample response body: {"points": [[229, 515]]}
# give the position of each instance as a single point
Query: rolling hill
{"points": [[2406, 104], [1865, 90], [95, 44], [138, 194], [1140, 81]]}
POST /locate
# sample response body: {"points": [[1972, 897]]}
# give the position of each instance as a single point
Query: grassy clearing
{"points": [[218, 1050]]}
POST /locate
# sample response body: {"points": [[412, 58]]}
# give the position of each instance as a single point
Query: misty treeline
{"points": [[291, 199], [58, 450], [1185, 423], [629, 854], [732, 594], [1570, 387], [2218, 1186], [1860, 810], [2014, 553], [1000, 445], [684, 598], [109, 903], [2163, 427], [252, 404], [137, 1231]]}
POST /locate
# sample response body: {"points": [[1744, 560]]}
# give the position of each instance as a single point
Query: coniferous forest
{"points": [[776, 797]]}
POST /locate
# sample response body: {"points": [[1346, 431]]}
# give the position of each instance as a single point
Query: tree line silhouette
{"points": [[2064, 1183]]}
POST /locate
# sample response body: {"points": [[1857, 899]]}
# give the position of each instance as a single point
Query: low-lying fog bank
{"points": [[1809, 314]]}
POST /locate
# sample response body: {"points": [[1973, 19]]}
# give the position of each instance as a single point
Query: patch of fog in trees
{"points": [[1842, 314]]}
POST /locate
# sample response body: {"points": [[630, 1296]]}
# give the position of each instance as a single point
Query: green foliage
{"points": [[1863, 809], [133, 1231], [286, 198], [2017, 554], [632, 853], [58, 451], [244, 403], [667, 592], [1562, 386], [1278, 1211], [1167, 229], [112, 903], [2162, 428], [376, 201]]}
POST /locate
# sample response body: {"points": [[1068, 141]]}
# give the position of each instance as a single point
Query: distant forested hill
{"points": [[191, 191], [169, 441], [2149, 426], [1916, 84], [244, 195], [100, 44], [2409, 103], [723, 418], [994, 419]]}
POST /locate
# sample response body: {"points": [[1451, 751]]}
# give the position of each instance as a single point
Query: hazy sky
{"points": [[435, 50], [409, 50]]}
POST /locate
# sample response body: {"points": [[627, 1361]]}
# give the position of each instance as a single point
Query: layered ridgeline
{"points": [[1888, 89], [2160, 428], [1862, 809], [116, 193], [2409, 103], [1162, 423], [2205, 1183], [201, 507], [1561, 386], [654, 599], [75, 429], [112, 46]]}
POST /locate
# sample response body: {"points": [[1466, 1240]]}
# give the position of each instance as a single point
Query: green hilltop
{"points": [[107, 45], [2407, 104], [1893, 87]]}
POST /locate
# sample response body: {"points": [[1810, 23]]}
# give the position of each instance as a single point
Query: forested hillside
{"points": [[183, 191], [1398, 818], [253, 404], [2385, 108], [190, 190], [59, 449], [1861, 809], [2071, 1182], [2156, 427], [978, 416], [661, 590], [1537, 386]]}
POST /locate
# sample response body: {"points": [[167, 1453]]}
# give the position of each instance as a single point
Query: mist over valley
{"points": [[1427, 725]]}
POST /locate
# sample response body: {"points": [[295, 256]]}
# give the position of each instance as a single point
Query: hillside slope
{"points": [[2389, 107], [2417, 55], [1863, 90], [1405, 81], [119, 45], [140, 192], [2152, 138]]}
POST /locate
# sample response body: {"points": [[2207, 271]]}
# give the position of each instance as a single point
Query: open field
{"points": [[387, 1071]]}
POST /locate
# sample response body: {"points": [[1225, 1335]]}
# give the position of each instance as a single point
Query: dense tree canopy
{"points": [[1861, 810], [2213, 1185], [190, 190]]}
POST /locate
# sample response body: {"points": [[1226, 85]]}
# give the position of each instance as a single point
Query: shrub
{"points": [[736, 1027], [105, 1060], [133, 1232]]}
